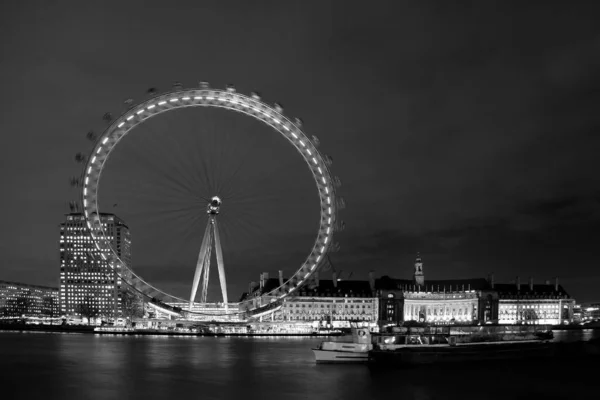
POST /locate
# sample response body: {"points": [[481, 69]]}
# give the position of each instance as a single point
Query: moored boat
{"points": [[356, 351], [432, 347]]}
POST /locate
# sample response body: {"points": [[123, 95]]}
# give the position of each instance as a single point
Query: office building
{"points": [[24, 300], [89, 287]]}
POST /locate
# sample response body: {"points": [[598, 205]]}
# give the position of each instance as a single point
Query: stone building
{"points": [[468, 301], [534, 303], [336, 302]]}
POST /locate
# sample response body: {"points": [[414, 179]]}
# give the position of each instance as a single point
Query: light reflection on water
{"points": [[55, 366]]}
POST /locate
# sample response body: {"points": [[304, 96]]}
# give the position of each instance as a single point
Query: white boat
{"points": [[356, 351]]}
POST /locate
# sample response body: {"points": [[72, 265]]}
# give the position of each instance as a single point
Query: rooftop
{"points": [[324, 288], [524, 289], [27, 285], [388, 283]]}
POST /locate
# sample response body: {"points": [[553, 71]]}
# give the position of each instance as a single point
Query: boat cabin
{"points": [[418, 339]]}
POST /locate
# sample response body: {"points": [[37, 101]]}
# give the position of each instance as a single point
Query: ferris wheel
{"points": [[227, 99]]}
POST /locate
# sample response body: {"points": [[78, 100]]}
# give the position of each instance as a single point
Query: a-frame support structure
{"points": [[211, 235]]}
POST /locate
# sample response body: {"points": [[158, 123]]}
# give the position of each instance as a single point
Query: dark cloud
{"points": [[466, 131]]}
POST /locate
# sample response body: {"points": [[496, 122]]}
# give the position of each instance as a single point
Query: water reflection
{"points": [[109, 367]]}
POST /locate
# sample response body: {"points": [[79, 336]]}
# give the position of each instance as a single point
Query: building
{"points": [[89, 287], [590, 312], [468, 301], [330, 302], [23, 300], [534, 303], [206, 312]]}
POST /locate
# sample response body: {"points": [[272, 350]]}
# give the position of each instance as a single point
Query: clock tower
{"points": [[418, 276]]}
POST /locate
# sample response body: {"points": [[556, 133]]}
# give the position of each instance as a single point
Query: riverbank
{"points": [[83, 329]]}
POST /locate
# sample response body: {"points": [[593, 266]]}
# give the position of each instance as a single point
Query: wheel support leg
{"points": [[200, 263], [219, 254], [204, 292]]}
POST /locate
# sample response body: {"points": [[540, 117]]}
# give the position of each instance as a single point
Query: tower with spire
{"points": [[419, 278]]}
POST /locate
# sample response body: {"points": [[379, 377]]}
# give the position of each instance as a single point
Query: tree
{"points": [[131, 305], [88, 308], [530, 315]]}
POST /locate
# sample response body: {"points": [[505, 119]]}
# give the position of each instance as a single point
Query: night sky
{"points": [[468, 132]]}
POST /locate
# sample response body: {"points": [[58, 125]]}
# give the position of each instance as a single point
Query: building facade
{"points": [[89, 286], [331, 302], [534, 303], [469, 301], [23, 300], [589, 312]]}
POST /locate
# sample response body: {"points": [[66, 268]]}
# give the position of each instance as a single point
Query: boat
{"points": [[353, 352], [114, 329], [431, 346]]}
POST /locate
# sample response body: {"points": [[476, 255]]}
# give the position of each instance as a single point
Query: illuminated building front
{"points": [[534, 304], [23, 300], [441, 307], [89, 287], [334, 302], [589, 312], [468, 301], [207, 312]]}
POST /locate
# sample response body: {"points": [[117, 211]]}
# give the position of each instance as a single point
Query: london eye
{"points": [[214, 203]]}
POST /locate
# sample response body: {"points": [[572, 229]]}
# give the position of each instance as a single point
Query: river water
{"points": [[87, 366]]}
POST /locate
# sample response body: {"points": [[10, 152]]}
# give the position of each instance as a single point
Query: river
{"points": [[87, 366]]}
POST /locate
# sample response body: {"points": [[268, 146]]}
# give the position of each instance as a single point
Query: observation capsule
{"points": [[255, 95], [80, 157], [337, 182], [74, 206]]}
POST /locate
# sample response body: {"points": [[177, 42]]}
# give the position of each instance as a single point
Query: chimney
{"points": [[491, 279], [531, 283], [280, 277], [250, 287], [518, 283], [556, 284], [262, 281], [334, 277], [372, 281]]}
